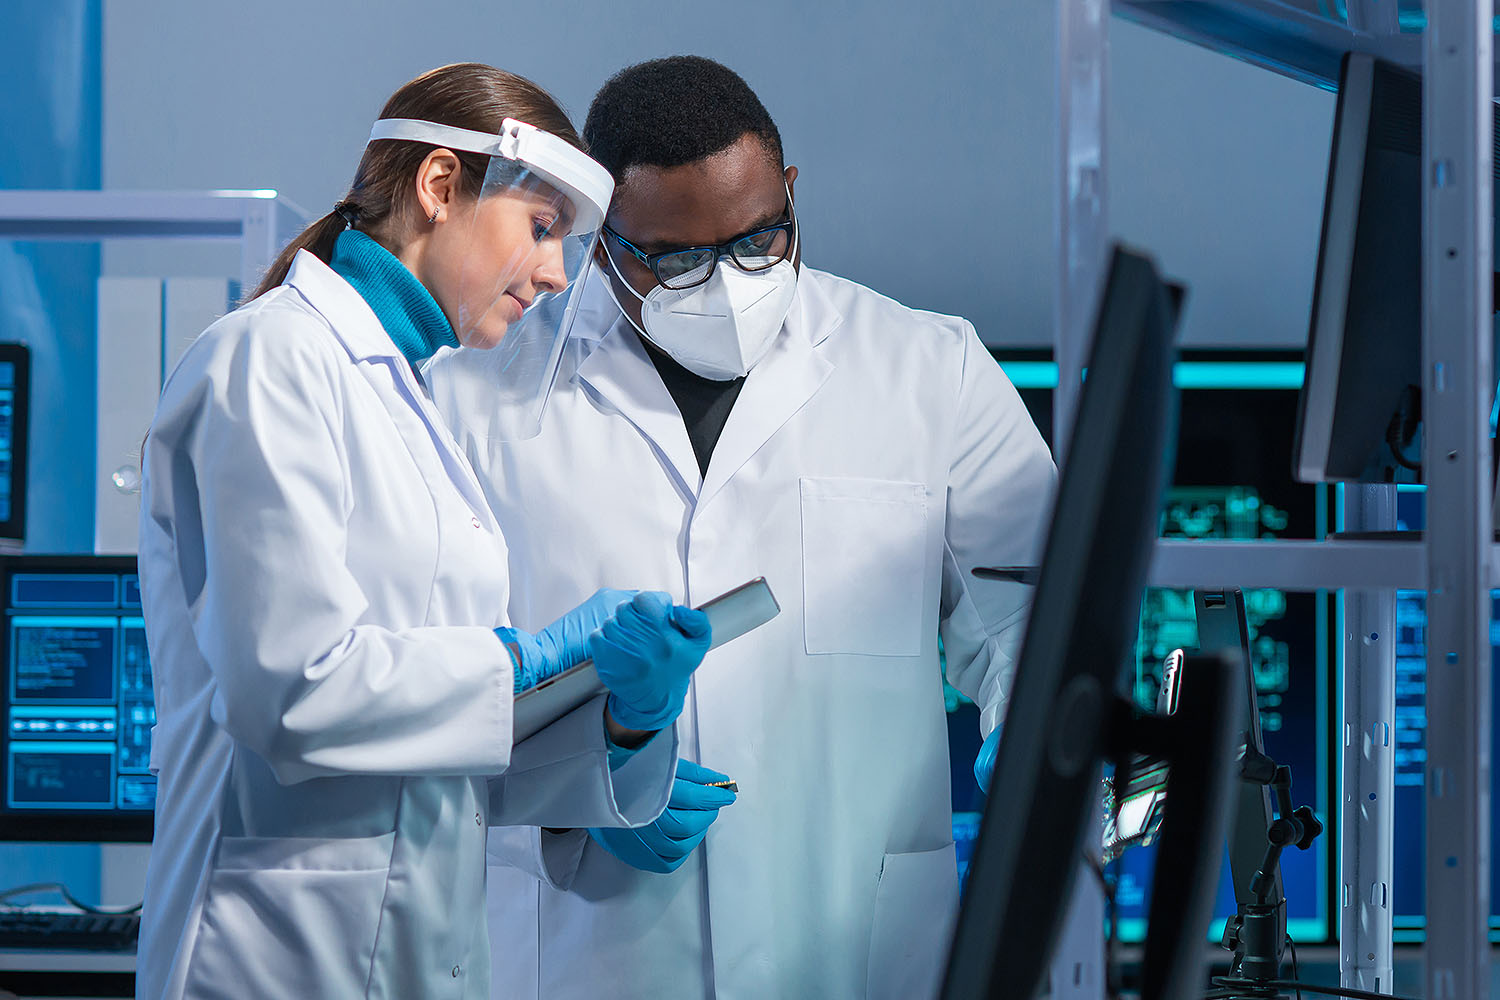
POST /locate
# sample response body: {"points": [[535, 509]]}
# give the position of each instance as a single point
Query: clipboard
{"points": [[730, 615]]}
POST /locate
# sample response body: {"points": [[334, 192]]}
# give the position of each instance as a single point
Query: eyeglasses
{"points": [[759, 250]]}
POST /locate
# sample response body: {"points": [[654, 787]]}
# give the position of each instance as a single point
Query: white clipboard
{"points": [[730, 616]]}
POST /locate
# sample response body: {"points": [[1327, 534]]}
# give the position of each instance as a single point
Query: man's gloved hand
{"points": [[645, 655], [664, 845], [562, 644], [984, 763]]}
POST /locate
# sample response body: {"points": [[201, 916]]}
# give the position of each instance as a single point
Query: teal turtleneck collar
{"points": [[404, 307]]}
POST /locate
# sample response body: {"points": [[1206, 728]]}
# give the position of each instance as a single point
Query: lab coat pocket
{"points": [[915, 908], [862, 566], [290, 916]]}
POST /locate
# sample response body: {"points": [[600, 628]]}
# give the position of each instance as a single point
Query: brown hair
{"points": [[465, 95]]}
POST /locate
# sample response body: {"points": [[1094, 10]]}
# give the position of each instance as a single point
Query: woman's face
{"points": [[485, 264]]}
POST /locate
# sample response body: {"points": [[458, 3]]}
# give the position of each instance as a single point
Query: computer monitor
{"points": [[1224, 627], [1233, 480], [1361, 402], [15, 405], [1057, 730], [76, 701]]}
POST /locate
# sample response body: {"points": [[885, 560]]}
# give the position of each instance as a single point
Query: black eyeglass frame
{"points": [[720, 251]]}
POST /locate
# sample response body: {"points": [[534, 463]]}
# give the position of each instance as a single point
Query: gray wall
{"points": [[923, 131]]}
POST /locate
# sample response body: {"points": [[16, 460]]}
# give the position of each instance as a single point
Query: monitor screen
{"points": [[1361, 408], [15, 380], [76, 701], [1232, 481], [1040, 810]]}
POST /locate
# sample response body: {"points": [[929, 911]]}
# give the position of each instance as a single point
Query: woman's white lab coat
{"points": [[872, 459], [321, 575]]}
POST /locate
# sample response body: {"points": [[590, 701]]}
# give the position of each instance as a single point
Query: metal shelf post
{"points": [[1082, 227], [1367, 785], [1457, 383]]}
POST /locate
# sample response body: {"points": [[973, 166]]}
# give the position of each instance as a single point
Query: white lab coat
{"points": [[321, 576], [871, 460]]}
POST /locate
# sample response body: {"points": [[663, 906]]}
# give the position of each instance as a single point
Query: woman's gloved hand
{"points": [[664, 845], [645, 655], [984, 762], [562, 644]]}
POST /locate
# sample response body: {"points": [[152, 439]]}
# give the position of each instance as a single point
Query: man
{"points": [[722, 413]]}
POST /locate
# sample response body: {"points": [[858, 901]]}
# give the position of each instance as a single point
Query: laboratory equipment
{"points": [[76, 701]]}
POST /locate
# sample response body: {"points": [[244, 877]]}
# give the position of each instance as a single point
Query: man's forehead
{"points": [[708, 201]]}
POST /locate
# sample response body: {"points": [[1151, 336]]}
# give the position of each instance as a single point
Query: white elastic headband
{"points": [[585, 183]]}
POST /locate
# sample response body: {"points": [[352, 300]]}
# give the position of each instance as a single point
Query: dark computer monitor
{"points": [[1058, 725], [76, 701], [1361, 401], [15, 405], [1224, 627]]}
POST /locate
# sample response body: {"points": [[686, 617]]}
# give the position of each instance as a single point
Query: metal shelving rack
{"points": [[261, 221], [1305, 39]]}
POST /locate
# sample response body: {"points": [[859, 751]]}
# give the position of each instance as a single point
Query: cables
{"points": [[1292, 946], [1111, 943], [6, 895], [1230, 985], [1337, 991]]}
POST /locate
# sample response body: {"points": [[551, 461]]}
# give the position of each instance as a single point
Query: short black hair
{"points": [[672, 111]]}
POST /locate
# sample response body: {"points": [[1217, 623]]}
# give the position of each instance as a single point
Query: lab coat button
{"points": [[475, 520], [456, 971], [477, 820]]}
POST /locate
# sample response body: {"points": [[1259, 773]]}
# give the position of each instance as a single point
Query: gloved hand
{"points": [[664, 845], [564, 643], [984, 763], [645, 655]]}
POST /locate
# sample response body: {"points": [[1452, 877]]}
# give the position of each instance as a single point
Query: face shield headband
{"points": [[530, 243]]}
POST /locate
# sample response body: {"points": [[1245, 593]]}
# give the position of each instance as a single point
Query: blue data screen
{"points": [[7, 435], [78, 706]]}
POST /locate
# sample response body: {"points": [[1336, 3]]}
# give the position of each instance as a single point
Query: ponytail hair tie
{"points": [[348, 212]]}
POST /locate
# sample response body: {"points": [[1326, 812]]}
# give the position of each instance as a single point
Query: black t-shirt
{"points": [[703, 402]]}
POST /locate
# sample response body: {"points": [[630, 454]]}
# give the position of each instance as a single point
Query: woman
{"points": [[325, 587]]}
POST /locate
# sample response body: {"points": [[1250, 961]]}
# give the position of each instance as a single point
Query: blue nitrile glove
{"points": [[645, 655], [664, 845], [562, 644], [984, 764]]}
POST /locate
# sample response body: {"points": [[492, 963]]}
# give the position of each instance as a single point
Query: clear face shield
{"points": [[530, 244]]}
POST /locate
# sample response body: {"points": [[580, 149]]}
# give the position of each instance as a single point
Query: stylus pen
{"points": [[726, 785]]}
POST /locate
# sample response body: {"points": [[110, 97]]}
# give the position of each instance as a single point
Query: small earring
{"points": [[432, 219]]}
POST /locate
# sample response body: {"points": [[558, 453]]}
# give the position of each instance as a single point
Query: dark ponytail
{"points": [[465, 95]]}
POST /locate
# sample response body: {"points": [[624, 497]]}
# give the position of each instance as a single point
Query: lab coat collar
{"points": [[618, 369], [354, 323], [813, 315], [357, 327], [776, 388]]}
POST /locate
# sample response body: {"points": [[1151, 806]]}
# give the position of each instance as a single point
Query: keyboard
{"points": [[38, 930]]}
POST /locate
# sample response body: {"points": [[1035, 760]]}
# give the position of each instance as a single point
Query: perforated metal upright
{"points": [[1367, 782], [1457, 382]]}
